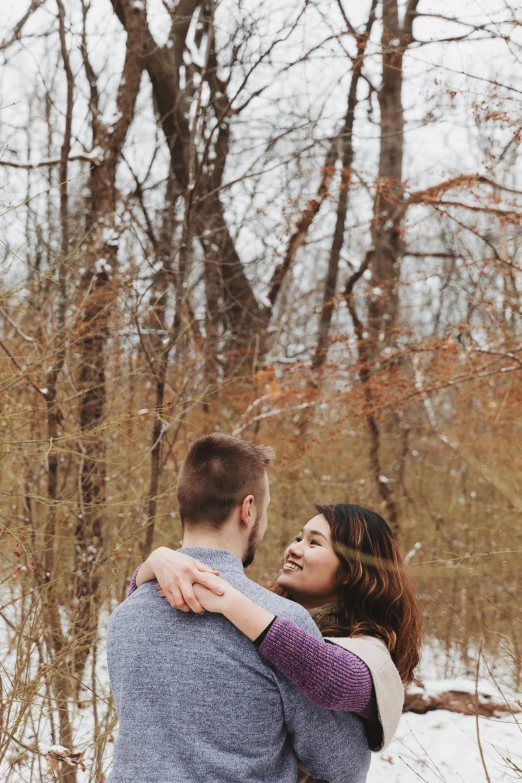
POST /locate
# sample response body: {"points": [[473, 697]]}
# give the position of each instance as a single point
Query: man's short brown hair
{"points": [[218, 473]]}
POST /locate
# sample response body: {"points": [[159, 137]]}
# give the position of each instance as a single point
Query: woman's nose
{"points": [[295, 549]]}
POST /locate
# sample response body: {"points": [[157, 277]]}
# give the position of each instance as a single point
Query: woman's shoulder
{"points": [[375, 654], [368, 646]]}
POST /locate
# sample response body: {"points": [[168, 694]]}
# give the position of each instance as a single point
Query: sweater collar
{"points": [[219, 559]]}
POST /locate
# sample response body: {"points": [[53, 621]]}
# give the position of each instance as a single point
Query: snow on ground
{"points": [[441, 747]]}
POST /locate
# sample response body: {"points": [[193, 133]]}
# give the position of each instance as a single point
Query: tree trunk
{"points": [[385, 256], [159, 348], [60, 678], [364, 371], [98, 292], [346, 138], [383, 304]]}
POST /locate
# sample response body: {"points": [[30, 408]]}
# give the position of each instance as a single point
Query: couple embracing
{"points": [[219, 680]]}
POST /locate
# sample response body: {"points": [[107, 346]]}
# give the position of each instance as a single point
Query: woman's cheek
{"points": [[329, 569], [318, 572]]}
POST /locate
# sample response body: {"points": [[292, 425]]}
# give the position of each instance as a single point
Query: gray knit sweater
{"points": [[197, 704]]}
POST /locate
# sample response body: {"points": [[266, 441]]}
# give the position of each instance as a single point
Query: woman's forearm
{"points": [[246, 615], [145, 573]]}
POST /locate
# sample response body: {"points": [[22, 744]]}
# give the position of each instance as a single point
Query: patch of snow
{"points": [[110, 237], [59, 750], [441, 747], [111, 119], [96, 155], [193, 55], [101, 265], [264, 300]]}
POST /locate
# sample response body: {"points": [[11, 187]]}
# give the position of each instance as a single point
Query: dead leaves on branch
{"points": [[57, 756]]}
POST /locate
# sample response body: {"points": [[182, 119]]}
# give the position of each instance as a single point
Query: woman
{"points": [[344, 567]]}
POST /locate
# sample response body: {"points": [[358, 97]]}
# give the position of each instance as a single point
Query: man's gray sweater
{"points": [[197, 704]]}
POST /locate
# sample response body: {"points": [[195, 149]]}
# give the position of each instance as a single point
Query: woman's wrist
{"points": [[230, 603]]}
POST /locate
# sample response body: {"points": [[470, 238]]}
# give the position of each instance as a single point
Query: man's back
{"points": [[196, 702]]}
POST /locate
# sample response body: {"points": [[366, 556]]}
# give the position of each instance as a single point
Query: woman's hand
{"points": [[176, 574], [246, 615], [213, 595]]}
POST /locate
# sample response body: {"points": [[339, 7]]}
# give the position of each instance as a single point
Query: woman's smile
{"points": [[290, 565]]}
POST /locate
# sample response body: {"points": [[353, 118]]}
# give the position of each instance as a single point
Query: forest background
{"points": [[296, 222]]}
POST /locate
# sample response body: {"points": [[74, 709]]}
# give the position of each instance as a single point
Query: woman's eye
{"points": [[315, 542], [297, 538]]}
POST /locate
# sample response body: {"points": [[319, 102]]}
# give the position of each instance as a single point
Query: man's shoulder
{"points": [[145, 597]]}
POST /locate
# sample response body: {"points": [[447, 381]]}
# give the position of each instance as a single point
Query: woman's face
{"points": [[311, 569]]}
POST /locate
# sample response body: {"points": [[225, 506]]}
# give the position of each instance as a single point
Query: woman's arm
{"points": [[143, 573], [176, 573], [331, 677]]}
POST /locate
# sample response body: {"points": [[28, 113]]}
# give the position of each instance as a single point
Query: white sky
{"points": [[444, 83]]}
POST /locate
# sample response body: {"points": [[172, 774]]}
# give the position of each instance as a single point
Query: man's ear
{"points": [[248, 511]]}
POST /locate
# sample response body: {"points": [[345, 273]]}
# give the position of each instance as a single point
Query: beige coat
{"points": [[389, 690]]}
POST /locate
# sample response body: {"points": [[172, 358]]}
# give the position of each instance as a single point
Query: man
{"points": [[196, 702]]}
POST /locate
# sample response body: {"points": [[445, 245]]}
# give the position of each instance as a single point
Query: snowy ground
{"points": [[442, 747]]}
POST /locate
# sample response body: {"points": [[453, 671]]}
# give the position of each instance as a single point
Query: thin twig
{"points": [[479, 743]]}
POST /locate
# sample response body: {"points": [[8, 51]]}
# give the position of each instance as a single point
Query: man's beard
{"points": [[253, 543]]}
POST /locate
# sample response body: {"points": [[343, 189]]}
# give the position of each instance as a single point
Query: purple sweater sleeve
{"points": [[328, 675], [133, 586]]}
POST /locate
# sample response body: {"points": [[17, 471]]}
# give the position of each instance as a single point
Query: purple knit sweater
{"points": [[328, 675]]}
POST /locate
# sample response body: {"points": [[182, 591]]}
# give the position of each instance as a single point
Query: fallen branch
{"points": [[463, 696]]}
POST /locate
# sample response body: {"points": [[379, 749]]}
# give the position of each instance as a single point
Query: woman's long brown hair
{"points": [[375, 596]]}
